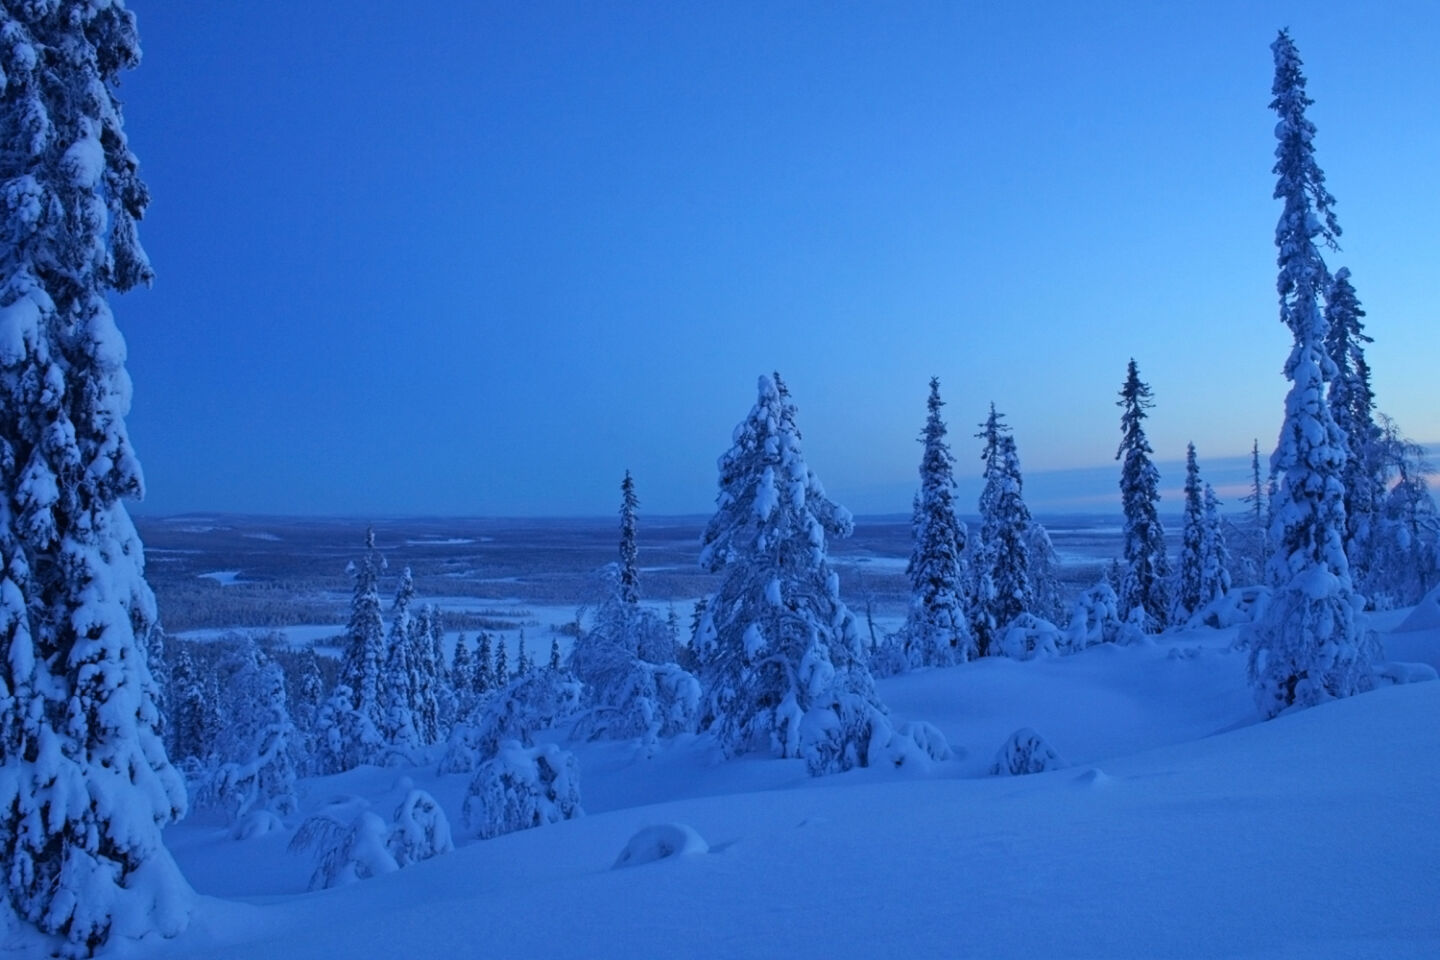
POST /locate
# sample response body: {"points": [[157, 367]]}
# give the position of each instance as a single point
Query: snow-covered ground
{"points": [[1181, 827]]}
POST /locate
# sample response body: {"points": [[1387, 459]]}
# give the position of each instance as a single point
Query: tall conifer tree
{"points": [[1307, 647], [788, 671], [1192, 542], [1002, 566], [1352, 405], [629, 569], [85, 785], [937, 630], [1146, 570]]}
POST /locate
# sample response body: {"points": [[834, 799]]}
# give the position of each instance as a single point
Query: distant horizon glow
{"points": [[479, 260]]}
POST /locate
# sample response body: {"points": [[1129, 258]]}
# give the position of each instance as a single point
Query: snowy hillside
{"points": [[1181, 827]]}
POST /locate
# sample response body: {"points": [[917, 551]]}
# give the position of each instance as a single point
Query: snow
{"points": [[661, 842], [226, 578], [1183, 826], [1425, 616], [1169, 851]]}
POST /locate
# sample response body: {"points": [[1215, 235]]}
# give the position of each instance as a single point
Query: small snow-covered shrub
{"points": [[647, 700], [1239, 606], [353, 843], [1027, 637], [842, 734], [421, 830], [1025, 752], [660, 842], [266, 782], [1095, 618], [258, 823], [344, 736], [1136, 629], [889, 658], [928, 739], [522, 787], [535, 701], [350, 844]]}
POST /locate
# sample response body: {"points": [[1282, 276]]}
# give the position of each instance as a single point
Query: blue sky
{"points": [[481, 258]]}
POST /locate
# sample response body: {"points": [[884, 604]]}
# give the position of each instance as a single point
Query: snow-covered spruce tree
{"points": [[1048, 599], [937, 628], [523, 663], [629, 571], [361, 667], [462, 678], [85, 785], [556, 660], [482, 681], [1146, 570], [258, 737], [1307, 647], [698, 620], [398, 681], [501, 673], [306, 687], [1192, 543], [1215, 557], [1002, 565], [788, 670], [195, 720], [1352, 405], [428, 686], [633, 689]]}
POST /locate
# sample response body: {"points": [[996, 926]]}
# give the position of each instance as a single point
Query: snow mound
{"points": [[257, 823], [1025, 752], [1094, 777], [1239, 606], [1397, 673], [1028, 637], [1425, 616], [660, 842]]}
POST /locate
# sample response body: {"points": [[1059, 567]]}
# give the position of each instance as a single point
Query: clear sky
{"points": [[479, 258]]}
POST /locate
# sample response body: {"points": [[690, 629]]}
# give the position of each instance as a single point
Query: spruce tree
{"points": [[1352, 405], [1146, 570], [364, 657], [1215, 557], [937, 629], [484, 678], [1003, 589], [195, 719], [555, 652], [697, 625], [398, 680], [1308, 646], [85, 785], [788, 672], [1192, 542], [501, 675], [629, 572], [462, 668], [307, 697], [1258, 534], [1048, 596], [427, 681], [523, 663]]}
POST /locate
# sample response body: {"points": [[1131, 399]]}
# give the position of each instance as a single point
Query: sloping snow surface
{"points": [[1182, 828]]}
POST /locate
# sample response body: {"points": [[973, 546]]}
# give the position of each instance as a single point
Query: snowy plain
{"points": [[1181, 826]]}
